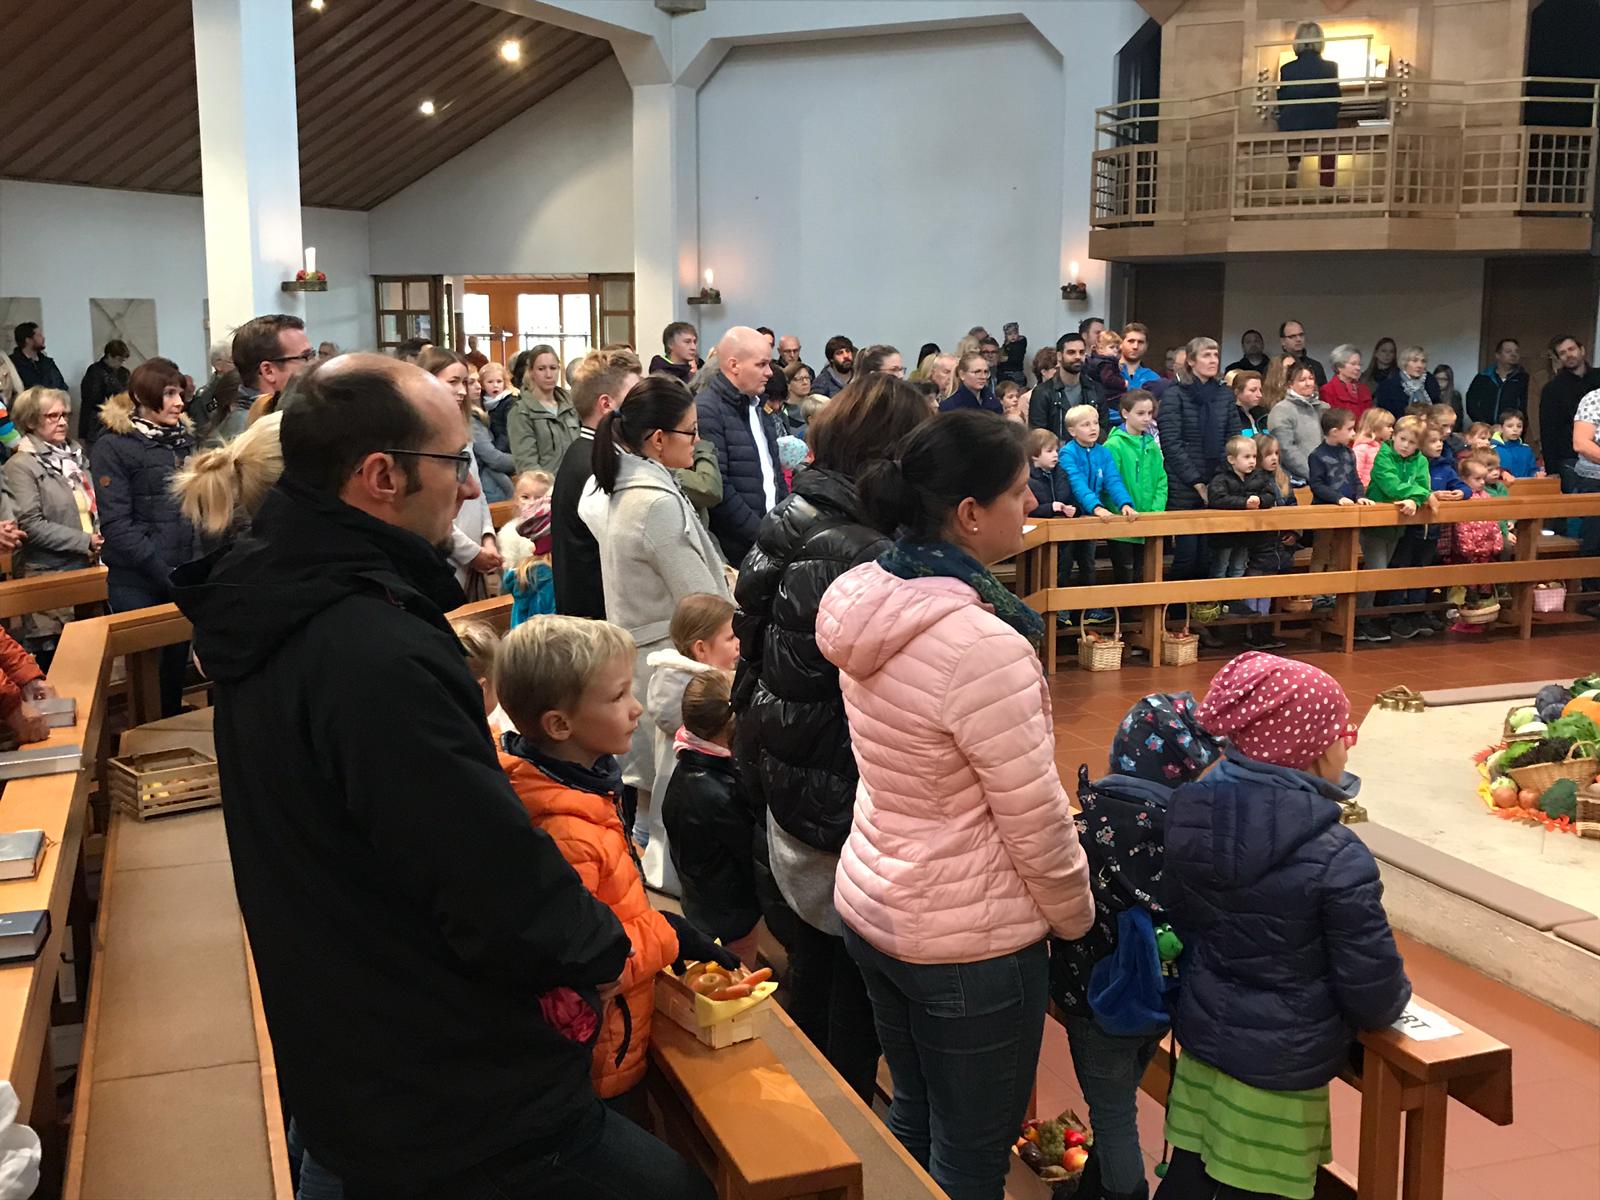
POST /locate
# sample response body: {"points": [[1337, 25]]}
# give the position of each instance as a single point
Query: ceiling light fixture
{"points": [[318, 5], [426, 108], [511, 50]]}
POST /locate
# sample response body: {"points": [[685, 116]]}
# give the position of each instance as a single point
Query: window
{"points": [[475, 315], [405, 307], [561, 321]]}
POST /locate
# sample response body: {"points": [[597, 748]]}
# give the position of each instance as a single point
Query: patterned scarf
{"points": [[174, 437], [1416, 389], [921, 560], [66, 462]]}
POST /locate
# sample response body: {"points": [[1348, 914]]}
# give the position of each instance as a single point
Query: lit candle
{"points": [[709, 277], [1072, 271], [311, 260]]}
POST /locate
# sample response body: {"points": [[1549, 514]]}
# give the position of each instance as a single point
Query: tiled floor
{"points": [[1552, 1151]]}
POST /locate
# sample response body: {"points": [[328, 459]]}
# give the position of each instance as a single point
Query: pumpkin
{"points": [[1583, 706]]}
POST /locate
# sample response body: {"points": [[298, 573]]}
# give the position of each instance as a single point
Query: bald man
{"points": [[745, 437]]}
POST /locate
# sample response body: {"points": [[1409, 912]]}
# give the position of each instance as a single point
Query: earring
{"points": [[974, 529]]}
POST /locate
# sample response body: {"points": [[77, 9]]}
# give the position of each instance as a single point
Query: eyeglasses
{"points": [[462, 460], [1350, 735], [304, 357], [688, 433], [55, 416]]}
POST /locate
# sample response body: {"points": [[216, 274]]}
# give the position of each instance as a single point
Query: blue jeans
{"points": [[1230, 562], [1588, 527], [316, 1182], [124, 594], [962, 1041], [606, 1157], [1109, 1069]]}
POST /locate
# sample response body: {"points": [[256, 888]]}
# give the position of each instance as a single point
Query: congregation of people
{"points": [[762, 683]]}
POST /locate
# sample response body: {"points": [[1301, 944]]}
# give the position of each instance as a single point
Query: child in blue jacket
{"points": [[1287, 950], [1121, 823], [1097, 489], [1516, 456]]}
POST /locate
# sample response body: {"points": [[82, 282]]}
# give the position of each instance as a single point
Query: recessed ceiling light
{"points": [[318, 5], [511, 50], [426, 108]]}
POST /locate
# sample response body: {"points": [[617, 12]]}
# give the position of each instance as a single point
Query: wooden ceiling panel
{"points": [[362, 67]]}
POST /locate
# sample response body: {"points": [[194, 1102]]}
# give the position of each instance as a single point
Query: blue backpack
{"points": [[1128, 990]]}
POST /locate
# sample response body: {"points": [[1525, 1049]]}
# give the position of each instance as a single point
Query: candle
{"points": [[1072, 272], [311, 260], [709, 277]]}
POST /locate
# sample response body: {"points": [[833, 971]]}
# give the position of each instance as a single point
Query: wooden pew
{"points": [[1036, 563], [1405, 1087]]}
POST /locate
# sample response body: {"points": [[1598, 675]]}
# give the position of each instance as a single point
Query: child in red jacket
{"points": [[21, 680]]}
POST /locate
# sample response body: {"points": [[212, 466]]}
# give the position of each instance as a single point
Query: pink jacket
{"points": [[1366, 453], [962, 846]]}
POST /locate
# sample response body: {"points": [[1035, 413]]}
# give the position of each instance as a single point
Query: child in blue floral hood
{"points": [[1158, 746]]}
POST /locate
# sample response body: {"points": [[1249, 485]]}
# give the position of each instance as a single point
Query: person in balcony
{"points": [[1309, 77]]}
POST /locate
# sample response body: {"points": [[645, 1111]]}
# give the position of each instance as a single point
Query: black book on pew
{"points": [[21, 853], [23, 935]]}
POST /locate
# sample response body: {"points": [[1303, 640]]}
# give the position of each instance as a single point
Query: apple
{"points": [[1073, 1138], [1073, 1158]]}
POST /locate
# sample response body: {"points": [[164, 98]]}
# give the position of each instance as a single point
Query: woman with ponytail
{"points": [[220, 489], [961, 859], [653, 549]]}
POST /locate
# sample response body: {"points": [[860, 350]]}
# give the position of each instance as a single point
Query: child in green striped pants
{"points": [[1287, 949]]}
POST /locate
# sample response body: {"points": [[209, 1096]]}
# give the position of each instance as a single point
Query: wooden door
{"points": [[1178, 301], [1534, 300], [407, 306], [612, 316]]}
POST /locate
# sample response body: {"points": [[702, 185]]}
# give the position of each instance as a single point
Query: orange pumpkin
{"points": [[1584, 708]]}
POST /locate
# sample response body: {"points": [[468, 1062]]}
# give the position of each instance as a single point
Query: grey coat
{"points": [[1297, 424], [539, 435], [46, 511]]}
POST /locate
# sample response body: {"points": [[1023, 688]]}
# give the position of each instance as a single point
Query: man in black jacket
{"points": [[405, 916], [34, 367], [1071, 386], [1558, 406], [105, 378], [1292, 339], [1501, 385], [574, 554], [733, 420]]}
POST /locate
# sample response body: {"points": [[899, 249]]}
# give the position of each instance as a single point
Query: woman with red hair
{"points": [[147, 439]]}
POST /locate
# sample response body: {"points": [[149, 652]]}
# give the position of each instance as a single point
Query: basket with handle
{"points": [[1537, 778], [1483, 614], [1180, 649], [1549, 597], [1295, 604], [1588, 824], [1097, 652]]}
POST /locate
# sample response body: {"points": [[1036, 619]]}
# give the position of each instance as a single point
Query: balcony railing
{"points": [[1418, 148]]}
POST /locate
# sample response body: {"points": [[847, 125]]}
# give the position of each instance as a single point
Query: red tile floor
{"points": [[1552, 1151]]}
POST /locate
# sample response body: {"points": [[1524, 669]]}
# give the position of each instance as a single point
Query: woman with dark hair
{"points": [[954, 871], [1381, 365], [880, 358], [653, 549], [147, 439], [473, 553], [1444, 378], [791, 741]]}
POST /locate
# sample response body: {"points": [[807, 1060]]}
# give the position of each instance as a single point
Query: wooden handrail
{"points": [[59, 589]]}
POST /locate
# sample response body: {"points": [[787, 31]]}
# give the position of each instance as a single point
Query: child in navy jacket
{"points": [[1052, 490]]}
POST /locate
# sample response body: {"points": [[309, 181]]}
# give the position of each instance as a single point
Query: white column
{"points": [[666, 210], [250, 157]]}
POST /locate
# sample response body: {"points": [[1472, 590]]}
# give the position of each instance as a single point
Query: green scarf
{"points": [[920, 560]]}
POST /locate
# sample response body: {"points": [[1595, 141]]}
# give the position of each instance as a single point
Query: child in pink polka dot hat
{"points": [[1287, 949]]}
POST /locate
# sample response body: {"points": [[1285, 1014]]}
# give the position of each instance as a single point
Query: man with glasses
{"points": [[1292, 337], [406, 918], [268, 353], [735, 422]]}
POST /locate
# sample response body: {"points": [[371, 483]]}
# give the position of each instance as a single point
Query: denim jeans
{"points": [[606, 1157], [124, 594], [1109, 1069], [1230, 562], [1588, 527], [315, 1182], [828, 1000], [962, 1040], [1186, 1179]]}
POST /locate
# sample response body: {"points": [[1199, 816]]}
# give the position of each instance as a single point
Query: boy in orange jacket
{"points": [[566, 683]]}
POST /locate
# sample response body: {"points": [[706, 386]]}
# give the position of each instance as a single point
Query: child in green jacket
{"points": [[1399, 477], [1144, 471]]}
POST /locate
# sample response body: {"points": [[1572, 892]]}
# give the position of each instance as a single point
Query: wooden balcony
{"points": [[1416, 165]]}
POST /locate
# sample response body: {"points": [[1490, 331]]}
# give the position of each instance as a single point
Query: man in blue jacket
{"points": [[746, 440], [1501, 385]]}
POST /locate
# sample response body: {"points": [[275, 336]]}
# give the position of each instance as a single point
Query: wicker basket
{"points": [[1588, 823], [1540, 776], [1549, 597], [1508, 734], [164, 781], [1484, 614], [1099, 653], [1180, 649], [1295, 604]]}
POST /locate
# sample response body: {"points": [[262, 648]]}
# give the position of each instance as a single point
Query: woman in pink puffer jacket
{"points": [[962, 857]]}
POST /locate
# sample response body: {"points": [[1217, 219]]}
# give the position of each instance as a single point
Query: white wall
{"points": [[67, 244], [550, 192], [895, 188], [1434, 302]]}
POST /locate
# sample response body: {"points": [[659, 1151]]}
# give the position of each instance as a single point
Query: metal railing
{"points": [[1506, 147]]}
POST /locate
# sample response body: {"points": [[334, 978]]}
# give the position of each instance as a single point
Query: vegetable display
{"points": [[1559, 734]]}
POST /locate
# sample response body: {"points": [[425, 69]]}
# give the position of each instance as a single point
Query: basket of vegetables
{"points": [[1056, 1152]]}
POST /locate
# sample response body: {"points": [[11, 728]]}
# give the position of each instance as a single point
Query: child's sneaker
{"points": [[1097, 616]]}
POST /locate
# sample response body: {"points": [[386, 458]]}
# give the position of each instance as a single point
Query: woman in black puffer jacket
{"points": [[1198, 416], [792, 745], [147, 439]]}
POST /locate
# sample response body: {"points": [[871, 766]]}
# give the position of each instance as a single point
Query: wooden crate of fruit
{"points": [[164, 781], [688, 1001]]}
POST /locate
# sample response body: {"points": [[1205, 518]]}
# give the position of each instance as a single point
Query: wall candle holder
{"points": [[708, 294], [1074, 289]]}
